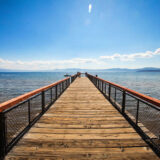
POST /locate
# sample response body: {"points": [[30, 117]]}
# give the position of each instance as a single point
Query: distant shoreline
{"points": [[149, 71], [66, 70]]}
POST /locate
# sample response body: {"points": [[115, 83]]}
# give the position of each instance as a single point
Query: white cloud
{"points": [[45, 65], [99, 62], [90, 8], [131, 57]]}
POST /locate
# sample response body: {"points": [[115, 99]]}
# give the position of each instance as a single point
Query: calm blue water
{"points": [[18, 83], [144, 82], [15, 84]]}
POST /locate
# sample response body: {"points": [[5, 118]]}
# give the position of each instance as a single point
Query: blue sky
{"points": [[48, 34]]}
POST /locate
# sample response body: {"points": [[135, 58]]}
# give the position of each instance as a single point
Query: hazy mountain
{"points": [[6, 70], [146, 69], [120, 70], [149, 69]]}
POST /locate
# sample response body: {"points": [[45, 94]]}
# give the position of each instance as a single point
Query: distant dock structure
{"points": [[67, 75]]}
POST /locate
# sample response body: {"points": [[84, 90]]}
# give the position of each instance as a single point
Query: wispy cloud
{"points": [[90, 8], [99, 62], [131, 57], [45, 65]]}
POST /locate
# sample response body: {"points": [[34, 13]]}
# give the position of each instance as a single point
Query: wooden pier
{"points": [[82, 124]]}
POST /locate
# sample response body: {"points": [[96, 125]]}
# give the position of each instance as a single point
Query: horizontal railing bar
{"points": [[116, 87], [16, 105], [14, 101], [21, 103], [149, 99], [143, 101]]}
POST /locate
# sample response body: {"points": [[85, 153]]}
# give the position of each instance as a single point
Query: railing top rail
{"points": [[149, 99], [14, 101]]}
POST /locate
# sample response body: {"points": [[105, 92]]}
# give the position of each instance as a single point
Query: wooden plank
{"points": [[38, 136], [81, 126], [83, 119], [88, 122], [81, 143], [83, 112], [105, 156], [84, 131], [84, 153], [80, 116], [22, 150]]}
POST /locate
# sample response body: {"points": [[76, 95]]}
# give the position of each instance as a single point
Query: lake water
{"points": [[15, 84]]}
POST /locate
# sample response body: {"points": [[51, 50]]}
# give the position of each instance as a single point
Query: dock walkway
{"points": [[82, 124]]}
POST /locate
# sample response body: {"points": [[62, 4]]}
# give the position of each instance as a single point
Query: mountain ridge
{"points": [[145, 69]]}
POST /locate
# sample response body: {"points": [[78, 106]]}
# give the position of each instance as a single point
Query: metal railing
{"points": [[19, 114], [141, 111], [73, 77]]}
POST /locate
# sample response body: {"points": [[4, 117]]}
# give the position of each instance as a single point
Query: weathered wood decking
{"points": [[82, 124]]}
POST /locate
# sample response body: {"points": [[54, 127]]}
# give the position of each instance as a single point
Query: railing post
{"points": [[56, 92], [109, 92], [43, 101], [2, 136], [65, 84], [29, 112], [98, 84], [137, 114], [51, 94], [62, 86], [115, 95], [102, 86], [124, 101]]}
